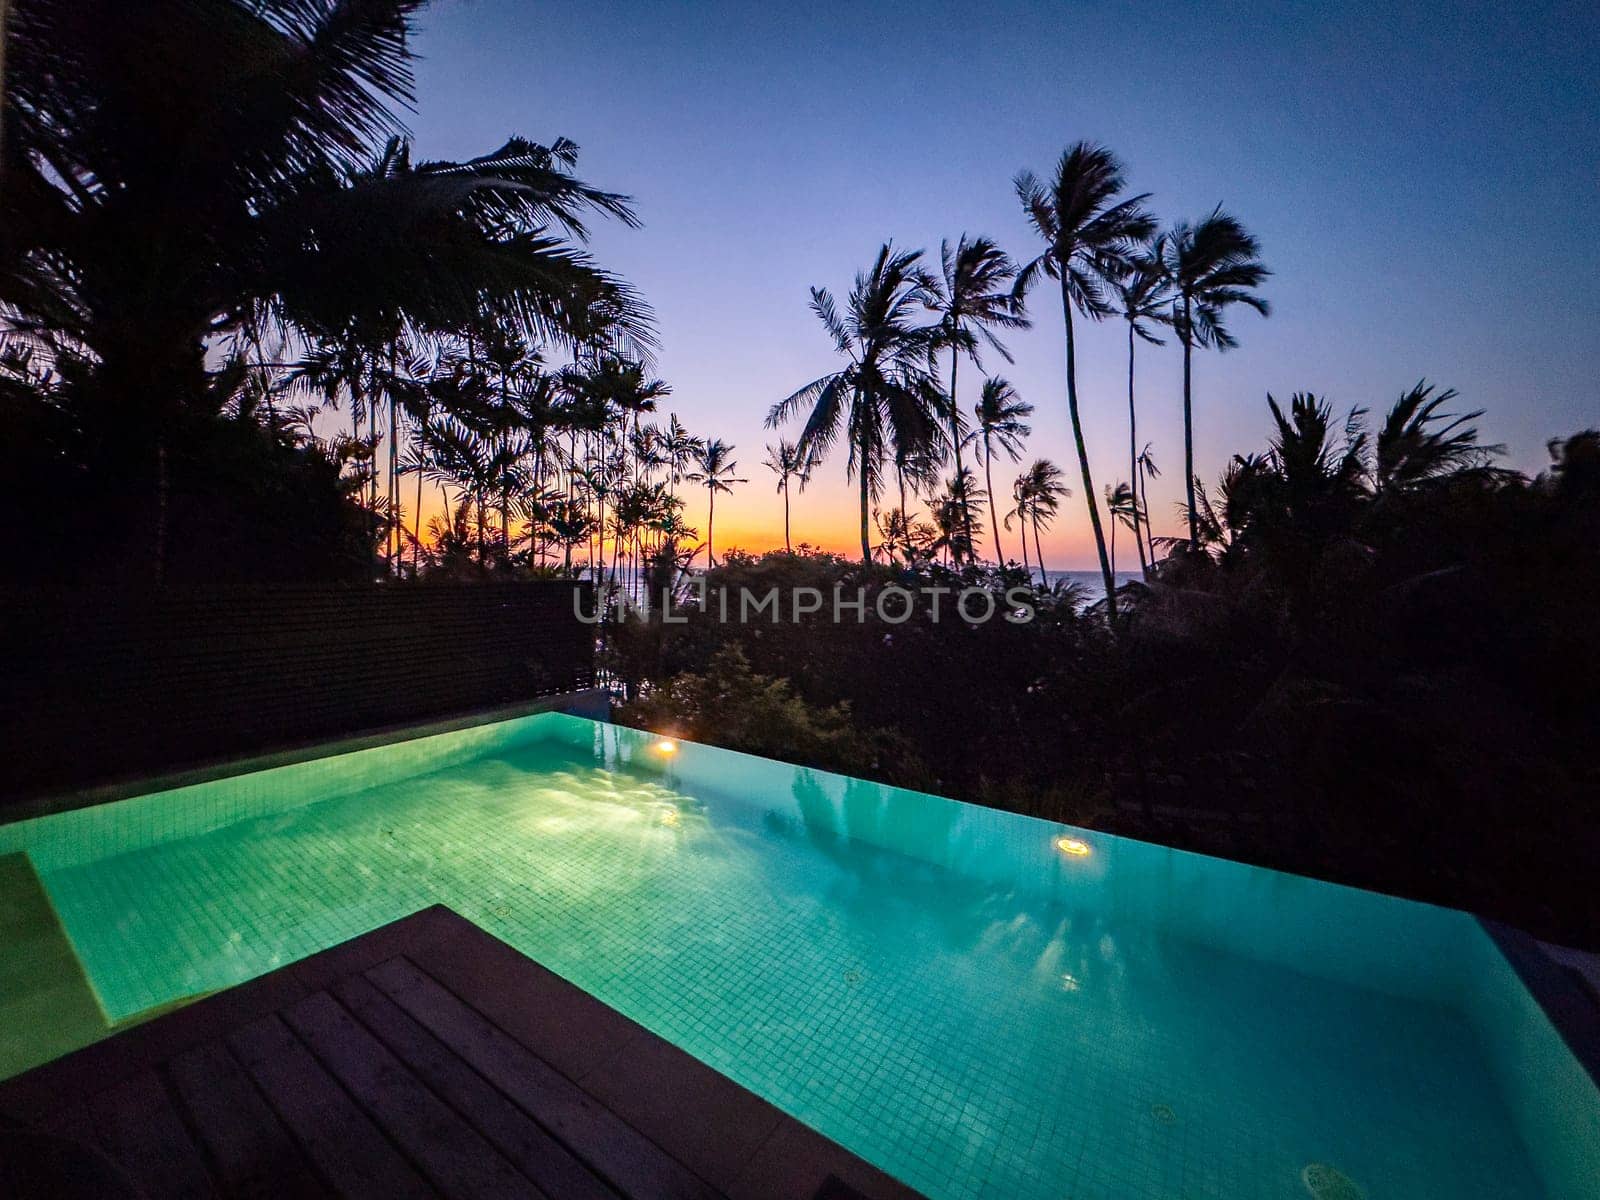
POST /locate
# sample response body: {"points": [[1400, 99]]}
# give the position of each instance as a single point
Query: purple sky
{"points": [[1425, 183]]}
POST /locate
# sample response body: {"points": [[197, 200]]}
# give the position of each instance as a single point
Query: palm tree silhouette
{"points": [[1090, 236], [1123, 506], [1142, 301], [1038, 492], [972, 299], [714, 467], [1209, 266], [299, 208], [1146, 470], [1002, 424], [1410, 451], [950, 509], [885, 401], [785, 461]]}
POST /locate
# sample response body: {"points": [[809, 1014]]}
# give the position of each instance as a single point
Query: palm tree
{"points": [[1411, 451], [972, 299], [1090, 236], [1145, 466], [299, 208], [679, 448], [1002, 424], [1038, 491], [1123, 506], [1142, 301], [885, 400], [1210, 266], [784, 460], [951, 511], [714, 467]]}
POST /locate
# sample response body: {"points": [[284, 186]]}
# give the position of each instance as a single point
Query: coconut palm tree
{"points": [[884, 401], [950, 509], [1210, 266], [785, 461], [1417, 443], [1145, 466], [1090, 235], [679, 448], [1123, 505], [714, 467], [1002, 425], [973, 299], [1038, 492], [299, 207], [1142, 302]]}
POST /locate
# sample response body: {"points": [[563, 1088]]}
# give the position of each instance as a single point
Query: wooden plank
{"points": [[712, 1123], [346, 1148], [444, 1147], [513, 1132], [798, 1161], [632, 1163], [557, 1020], [250, 1151], [137, 1126]]}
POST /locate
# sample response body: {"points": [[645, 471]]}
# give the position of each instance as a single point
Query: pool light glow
{"points": [[1076, 847]]}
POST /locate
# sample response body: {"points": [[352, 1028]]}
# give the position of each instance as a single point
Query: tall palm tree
{"points": [[1142, 302], [786, 462], [973, 299], [885, 400], [714, 467], [1039, 491], [1090, 236], [1002, 425], [1210, 266]]}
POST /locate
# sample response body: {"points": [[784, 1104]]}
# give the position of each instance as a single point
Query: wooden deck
{"points": [[424, 1059]]}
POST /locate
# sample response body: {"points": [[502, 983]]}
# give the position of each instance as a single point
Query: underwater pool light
{"points": [[666, 746], [1076, 847]]}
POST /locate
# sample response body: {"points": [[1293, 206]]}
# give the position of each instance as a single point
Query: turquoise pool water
{"points": [[937, 986]]}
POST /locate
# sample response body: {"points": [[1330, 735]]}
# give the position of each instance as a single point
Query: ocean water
{"points": [[982, 1004]]}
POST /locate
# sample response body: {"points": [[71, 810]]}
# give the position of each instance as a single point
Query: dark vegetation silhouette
{"points": [[246, 335]]}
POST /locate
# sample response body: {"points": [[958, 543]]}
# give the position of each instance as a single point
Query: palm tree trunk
{"points": [[416, 519], [1144, 500], [787, 547], [711, 525], [1038, 550], [955, 443], [1133, 463], [1185, 336], [866, 547], [994, 517], [1022, 521], [1083, 458], [391, 541]]}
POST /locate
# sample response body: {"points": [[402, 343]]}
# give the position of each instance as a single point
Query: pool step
{"points": [[46, 1004]]}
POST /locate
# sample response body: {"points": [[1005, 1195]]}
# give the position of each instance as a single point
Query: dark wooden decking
{"points": [[426, 1058]]}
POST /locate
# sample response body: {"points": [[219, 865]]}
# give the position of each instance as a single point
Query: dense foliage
{"points": [[1381, 667]]}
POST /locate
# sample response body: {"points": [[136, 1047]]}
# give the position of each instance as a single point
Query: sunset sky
{"points": [[1425, 183]]}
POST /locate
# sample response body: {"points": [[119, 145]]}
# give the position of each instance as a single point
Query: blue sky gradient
{"points": [[1425, 183]]}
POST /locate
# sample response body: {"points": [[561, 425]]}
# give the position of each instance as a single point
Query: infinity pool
{"points": [[980, 1003]]}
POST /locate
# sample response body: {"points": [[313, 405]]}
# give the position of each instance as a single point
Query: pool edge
{"points": [[581, 703]]}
